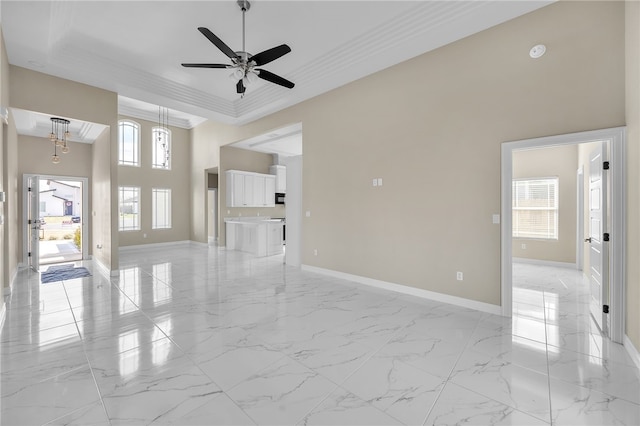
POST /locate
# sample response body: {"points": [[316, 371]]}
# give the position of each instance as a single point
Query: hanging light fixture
{"points": [[59, 136], [163, 134]]}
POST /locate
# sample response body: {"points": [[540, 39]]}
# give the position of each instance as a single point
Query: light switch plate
{"points": [[374, 182], [379, 181], [496, 219]]}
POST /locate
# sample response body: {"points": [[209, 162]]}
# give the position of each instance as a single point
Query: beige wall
{"points": [[560, 162], [249, 161], [34, 157], [177, 179], [104, 239], [632, 46], [33, 91], [431, 127], [205, 154]]}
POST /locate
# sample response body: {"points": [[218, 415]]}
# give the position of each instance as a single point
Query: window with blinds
{"points": [[535, 208]]}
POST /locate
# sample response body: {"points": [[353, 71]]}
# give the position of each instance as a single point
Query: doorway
{"points": [[615, 138], [55, 218], [212, 211]]}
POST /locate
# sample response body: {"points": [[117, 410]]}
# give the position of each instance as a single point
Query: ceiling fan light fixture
{"points": [[238, 74], [250, 78], [242, 62]]}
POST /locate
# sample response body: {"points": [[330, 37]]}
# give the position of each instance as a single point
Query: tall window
{"points": [[128, 143], [535, 208], [161, 205], [129, 205], [161, 148]]}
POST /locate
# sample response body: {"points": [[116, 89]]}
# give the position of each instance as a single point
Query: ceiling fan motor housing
{"points": [[244, 5]]}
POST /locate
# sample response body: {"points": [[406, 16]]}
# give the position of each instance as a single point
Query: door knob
{"points": [[587, 240]]}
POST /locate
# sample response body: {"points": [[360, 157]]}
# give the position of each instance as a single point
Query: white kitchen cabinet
{"points": [[247, 189], [280, 172], [274, 237], [261, 237]]}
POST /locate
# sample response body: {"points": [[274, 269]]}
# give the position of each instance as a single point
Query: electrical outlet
{"points": [[524, 246], [374, 182], [459, 276], [315, 252]]}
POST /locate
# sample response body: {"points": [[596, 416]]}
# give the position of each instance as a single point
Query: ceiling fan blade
{"points": [[206, 66], [270, 54], [218, 43], [240, 87], [273, 78]]}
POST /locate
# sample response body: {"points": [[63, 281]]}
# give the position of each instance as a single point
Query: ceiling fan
{"points": [[243, 63]]}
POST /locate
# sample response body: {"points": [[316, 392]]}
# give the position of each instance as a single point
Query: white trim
{"points": [[85, 212], [631, 350], [3, 313], [617, 141], [198, 243], [153, 245], [544, 262], [103, 268], [6, 291], [412, 291], [580, 218]]}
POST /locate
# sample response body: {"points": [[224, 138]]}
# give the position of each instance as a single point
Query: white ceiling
{"points": [[135, 48], [39, 125]]}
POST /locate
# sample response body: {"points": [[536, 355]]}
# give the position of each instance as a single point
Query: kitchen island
{"points": [[261, 236]]}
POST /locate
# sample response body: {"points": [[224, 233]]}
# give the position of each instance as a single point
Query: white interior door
{"points": [[598, 254], [33, 222]]}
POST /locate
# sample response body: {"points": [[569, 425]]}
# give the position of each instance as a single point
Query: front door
{"points": [[33, 222], [598, 253]]}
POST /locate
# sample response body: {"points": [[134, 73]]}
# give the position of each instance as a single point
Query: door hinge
{"points": [[605, 309], [605, 237], [29, 255], [605, 165], [29, 189], [29, 222]]}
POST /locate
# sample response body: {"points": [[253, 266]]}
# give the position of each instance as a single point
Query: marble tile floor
{"points": [[196, 335]]}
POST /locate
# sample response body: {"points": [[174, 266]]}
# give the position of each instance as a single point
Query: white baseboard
{"points": [[412, 291], [155, 245], [544, 262], [198, 243], [103, 268], [632, 351], [7, 290]]}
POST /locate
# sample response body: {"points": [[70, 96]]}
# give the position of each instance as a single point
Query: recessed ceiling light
{"points": [[537, 51]]}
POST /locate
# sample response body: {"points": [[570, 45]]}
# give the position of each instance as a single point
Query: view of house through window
{"points": [[535, 208], [129, 208], [60, 219], [128, 143], [161, 205]]}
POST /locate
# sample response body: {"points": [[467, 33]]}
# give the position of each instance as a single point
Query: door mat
{"points": [[63, 272]]}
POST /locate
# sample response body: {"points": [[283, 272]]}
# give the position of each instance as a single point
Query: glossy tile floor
{"points": [[191, 335]]}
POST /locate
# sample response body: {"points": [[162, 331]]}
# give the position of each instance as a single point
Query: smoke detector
{"points": [[537, 51]]}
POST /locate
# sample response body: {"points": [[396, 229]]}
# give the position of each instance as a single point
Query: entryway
{"points": [[55, 218]]}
